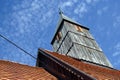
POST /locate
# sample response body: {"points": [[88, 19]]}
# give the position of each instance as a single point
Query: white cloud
{"points": [[75, 1], [117, 46], [95, 0], [116, 53], [101, 11], [105, 8], [30, 15], [88, 1], [117, 50], [66, 4], [116, 22], [117, 63], [81, 9]]}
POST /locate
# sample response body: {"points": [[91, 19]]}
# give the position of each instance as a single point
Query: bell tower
{"points": [[75, 40]]}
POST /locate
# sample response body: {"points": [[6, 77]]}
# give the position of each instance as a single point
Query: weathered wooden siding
{"points": [[67, 43], [84, 40], [80, 45], [81, 52], [62, 43]]}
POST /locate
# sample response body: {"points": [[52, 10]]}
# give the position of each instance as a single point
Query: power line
{"points": [[17, 46]]}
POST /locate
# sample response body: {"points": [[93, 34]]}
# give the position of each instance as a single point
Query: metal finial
{"points": [[60, 11]]}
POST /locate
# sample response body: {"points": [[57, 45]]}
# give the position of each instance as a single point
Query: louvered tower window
{"points": [[58, 36], [78, 28]]}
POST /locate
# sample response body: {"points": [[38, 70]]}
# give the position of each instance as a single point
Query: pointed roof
{"points": [[60, 22], [89, 69], [68, 19], [64, 17], [14, 71]]}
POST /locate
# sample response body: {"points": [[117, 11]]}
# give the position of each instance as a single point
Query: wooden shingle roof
{"points": [[15, 71], [96, 71]]}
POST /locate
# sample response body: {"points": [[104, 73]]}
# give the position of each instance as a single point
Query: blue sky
{"points": [[31, 25]]}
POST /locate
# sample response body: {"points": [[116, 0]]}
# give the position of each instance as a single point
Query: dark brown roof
{"points": [[15, 71], [96, 71]]}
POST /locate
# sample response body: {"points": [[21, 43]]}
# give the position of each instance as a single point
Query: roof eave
{"points": [[57, 29]]}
